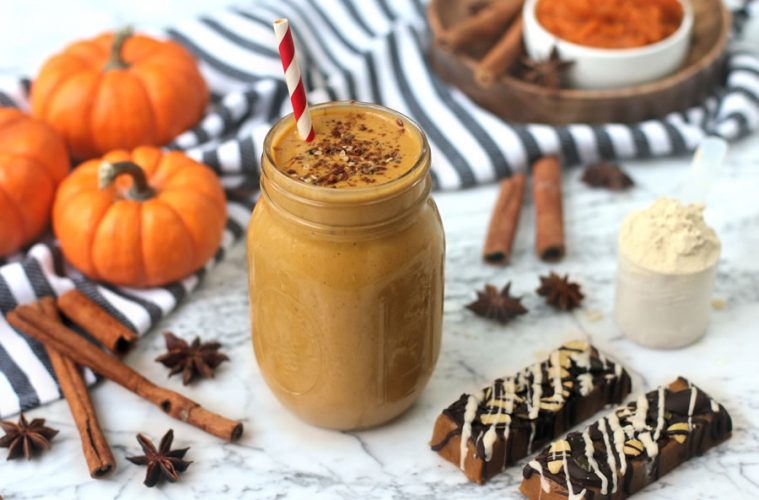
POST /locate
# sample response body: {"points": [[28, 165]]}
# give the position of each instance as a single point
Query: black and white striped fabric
{"points": [[370, 50]]}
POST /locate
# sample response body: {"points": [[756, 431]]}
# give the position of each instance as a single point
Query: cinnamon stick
{"points": [[504, 221], [502, 56], [549, 218], [97, 453], [80, 350], [96, 321], [486, 23]]}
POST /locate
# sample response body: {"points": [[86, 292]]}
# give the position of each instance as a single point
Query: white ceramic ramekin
{"points": [[599, 69]]}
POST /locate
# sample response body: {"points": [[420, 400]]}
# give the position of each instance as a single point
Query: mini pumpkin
{"points": [[33, 161], [119, 92], [141, 218]]}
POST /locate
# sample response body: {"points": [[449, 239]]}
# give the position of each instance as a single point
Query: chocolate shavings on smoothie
{"points": [[339, 156]]}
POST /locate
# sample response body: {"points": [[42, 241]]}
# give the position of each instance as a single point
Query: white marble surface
{"points": [[280, 457]]}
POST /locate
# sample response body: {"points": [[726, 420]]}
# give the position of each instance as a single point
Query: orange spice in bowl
{"points": [[611, 24]]}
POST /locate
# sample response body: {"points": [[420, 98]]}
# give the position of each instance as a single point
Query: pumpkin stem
{"points": [[140, 190], [116, 61]]}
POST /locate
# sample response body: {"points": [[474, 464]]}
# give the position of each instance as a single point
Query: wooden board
{"points": [[516, 100]]}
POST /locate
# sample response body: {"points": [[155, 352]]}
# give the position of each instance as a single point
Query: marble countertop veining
{"points": [[281, 458]]}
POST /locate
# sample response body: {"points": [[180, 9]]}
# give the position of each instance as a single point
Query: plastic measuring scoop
{"points": [[707, 161]]}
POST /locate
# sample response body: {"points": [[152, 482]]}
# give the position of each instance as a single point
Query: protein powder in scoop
{"points": [[667, 265]]}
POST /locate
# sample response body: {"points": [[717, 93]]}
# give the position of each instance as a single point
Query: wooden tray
{"points": [[516, 100]]}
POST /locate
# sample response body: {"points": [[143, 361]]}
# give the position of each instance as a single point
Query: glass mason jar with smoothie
{"points": [[345, 259]]}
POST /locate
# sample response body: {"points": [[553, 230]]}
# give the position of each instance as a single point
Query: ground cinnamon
{"points": [[77, 348], [549, 218], [504, 221], [611, 24], [96, 451], [96, 321], [502, 56], [486, 23]]}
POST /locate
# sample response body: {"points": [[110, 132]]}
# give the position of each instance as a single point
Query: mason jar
{"points": [[346, 288]]}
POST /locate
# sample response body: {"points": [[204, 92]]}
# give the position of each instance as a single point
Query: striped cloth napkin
{"points": [[371, 50]]}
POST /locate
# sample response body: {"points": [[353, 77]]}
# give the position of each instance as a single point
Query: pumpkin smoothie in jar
{"points": [[345, 258]]}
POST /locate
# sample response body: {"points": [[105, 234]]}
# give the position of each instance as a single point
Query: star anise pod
{"points": [[551, 72], [193, 360], [560, 292], [24, 438], [163, 463], [498, 306], [607, 175]]}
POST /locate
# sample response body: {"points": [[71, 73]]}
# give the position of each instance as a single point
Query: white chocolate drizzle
{"points": [[489, 437], [589, 452], [555, 374], [610, 459], [488, 441], [537, 391], [466, 430], [581, 358], [603, 360], [660, 414], [544, 484], [571, 494], [639, 425], [715, 406], [638, 419], [586, 383], [502, 418], [619, 440], [692, 406], [651, 447]]}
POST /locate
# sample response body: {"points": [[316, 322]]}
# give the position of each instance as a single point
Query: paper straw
{"points": [[293, 79]]}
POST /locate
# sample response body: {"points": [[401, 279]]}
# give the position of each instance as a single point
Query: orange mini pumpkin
{"points": [[33, 161], [140, 219], [119, 92]]}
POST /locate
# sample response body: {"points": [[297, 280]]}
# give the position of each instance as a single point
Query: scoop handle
{"points": [[703, 171]]}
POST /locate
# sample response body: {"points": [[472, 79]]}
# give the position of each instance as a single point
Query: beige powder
{"points": [[669, 237], [667, 266]]}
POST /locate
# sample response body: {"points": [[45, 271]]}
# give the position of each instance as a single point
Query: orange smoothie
{"points": [[352, 148], [345, 257]]}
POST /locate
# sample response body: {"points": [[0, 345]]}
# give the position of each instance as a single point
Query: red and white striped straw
{"points": [[293, 79]]}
